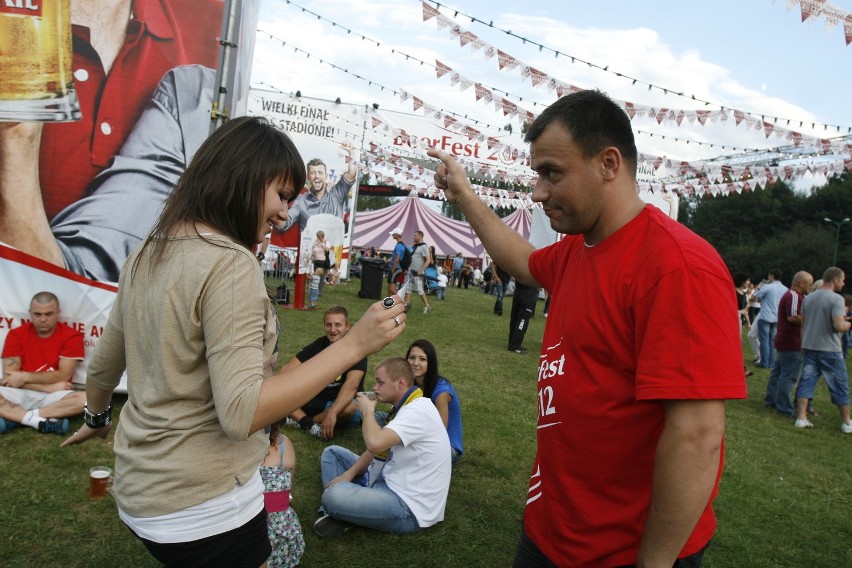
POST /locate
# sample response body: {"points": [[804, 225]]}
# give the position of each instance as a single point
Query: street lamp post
{"points": [[838, 224]]}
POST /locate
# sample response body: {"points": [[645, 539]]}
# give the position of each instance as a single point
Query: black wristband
{"points": [[99, 420]]}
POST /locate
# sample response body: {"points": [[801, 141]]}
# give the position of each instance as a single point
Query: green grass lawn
{"points": [[784, 500]]}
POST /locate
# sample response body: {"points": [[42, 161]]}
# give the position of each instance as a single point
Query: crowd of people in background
{"points": [[646, 397], [799, 333]]}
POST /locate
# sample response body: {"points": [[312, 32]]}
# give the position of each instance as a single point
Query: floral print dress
{"points": [[285, 531]]}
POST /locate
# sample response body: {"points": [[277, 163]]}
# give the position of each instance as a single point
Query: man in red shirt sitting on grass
{"points": [[39, 360]]}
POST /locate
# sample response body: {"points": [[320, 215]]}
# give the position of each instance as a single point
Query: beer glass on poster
{"points": [[36, 81]]}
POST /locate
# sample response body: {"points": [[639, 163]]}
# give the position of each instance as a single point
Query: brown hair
{"points": [[398, 367], [336, 310], [223, 185]]}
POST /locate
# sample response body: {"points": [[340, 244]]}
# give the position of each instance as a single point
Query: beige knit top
{"points": [[193, 335]]}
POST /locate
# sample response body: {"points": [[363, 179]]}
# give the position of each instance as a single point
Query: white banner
{"points": [[84, 304], [324, 132]]}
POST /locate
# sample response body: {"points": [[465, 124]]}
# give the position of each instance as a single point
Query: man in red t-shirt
{"points": [[636, 361], [787, 366], [39, 359]]}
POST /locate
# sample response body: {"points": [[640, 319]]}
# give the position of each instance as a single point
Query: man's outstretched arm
{"points": [[507, 247]]}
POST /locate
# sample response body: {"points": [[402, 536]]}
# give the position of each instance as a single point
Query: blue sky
{"points": [[754, 56]]}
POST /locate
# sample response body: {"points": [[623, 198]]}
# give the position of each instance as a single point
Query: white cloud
{"points": [[640, 52]]}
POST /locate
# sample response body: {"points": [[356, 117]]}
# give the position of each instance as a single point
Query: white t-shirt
{"points": [[442, 281], [218, 515], [419, 469]]}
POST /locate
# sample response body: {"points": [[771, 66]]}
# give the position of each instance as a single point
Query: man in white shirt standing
{"points": [[767, 320], [400, 483]]}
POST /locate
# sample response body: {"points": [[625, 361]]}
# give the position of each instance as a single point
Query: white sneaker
{"points": [[805, 423], [329, 527], [316, 430], [846, 427], [290, 423]]}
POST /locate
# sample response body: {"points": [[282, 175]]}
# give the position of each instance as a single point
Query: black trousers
{"points": [[527, 555], [523, 308], [243, 547]]}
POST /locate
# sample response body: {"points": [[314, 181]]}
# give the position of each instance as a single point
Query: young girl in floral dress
{"points": [[285, 532]]}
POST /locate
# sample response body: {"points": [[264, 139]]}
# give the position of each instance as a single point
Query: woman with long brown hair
{"points": [[194, 327]]}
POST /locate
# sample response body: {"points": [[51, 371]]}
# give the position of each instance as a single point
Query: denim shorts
{"points": [[832, 366]]}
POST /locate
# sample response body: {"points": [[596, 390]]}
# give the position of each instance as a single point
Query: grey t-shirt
{"points": [[819, 311], [419, 254]]}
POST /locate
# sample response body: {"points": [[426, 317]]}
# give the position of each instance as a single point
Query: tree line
{"points": [[776, 227]]}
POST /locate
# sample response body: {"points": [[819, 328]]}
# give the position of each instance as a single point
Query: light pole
{"points": [[838, 224]]}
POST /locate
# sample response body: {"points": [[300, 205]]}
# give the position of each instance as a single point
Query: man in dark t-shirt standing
{"points": [[787, 366], [336, 402], [501, 281]]}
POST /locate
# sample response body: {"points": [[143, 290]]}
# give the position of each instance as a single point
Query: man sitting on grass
{"points": [[39, 359], [400, 483], [334, 403]]}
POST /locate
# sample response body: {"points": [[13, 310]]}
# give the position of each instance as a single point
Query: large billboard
{"points": [[389, 147], [329, 142], [79, 192]]}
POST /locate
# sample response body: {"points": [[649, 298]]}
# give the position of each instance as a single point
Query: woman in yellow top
{"points": [[193, 326]]}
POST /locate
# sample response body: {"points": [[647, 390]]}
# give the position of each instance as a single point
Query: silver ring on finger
{"points": [[388, 302], [396, 319]]}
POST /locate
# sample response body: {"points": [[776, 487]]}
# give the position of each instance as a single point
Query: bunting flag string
{"points": [[501, 103], [813, 9], [468, 37], [451, 120], [418, 103], [402, 169], [539, 78], [393, 50], [713, 180], [396, 165], [720, 180]]}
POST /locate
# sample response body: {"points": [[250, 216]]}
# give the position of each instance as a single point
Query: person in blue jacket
{"points": [[424, 362]]}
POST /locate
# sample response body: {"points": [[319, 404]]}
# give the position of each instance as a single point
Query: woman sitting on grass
{"points": [[424, 362]]}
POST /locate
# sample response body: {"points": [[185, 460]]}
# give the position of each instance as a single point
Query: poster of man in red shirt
{"points": [[77, 197], [121, 51]]}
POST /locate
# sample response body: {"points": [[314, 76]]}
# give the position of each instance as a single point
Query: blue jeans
{"points": [[315, 289], [375, 507], [785, 372], [766, 331], [832, 366], [498, 305]]}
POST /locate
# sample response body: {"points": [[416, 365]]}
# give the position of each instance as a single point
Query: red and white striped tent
{"points": [[520, 220], [448, 236]]}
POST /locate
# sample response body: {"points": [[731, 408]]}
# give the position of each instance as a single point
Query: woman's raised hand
{"points": [[379, 325]]}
